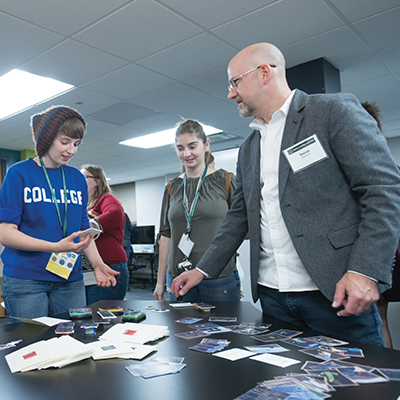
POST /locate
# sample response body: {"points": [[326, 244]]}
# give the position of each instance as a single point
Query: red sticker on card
{"points": [[129, 332], [29, 355]]}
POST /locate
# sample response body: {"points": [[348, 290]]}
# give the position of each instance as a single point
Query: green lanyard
{"points": [[63, 226], [189, 213]]}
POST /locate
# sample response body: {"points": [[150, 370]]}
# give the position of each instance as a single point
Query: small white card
{"points": [[185, 245], [234, 354], [273, 359], [181, 305], [305, 153], [267, 348]]}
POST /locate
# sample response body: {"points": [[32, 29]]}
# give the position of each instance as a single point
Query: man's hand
{"points": [[184, 282], [355, 293], [105, 276]]}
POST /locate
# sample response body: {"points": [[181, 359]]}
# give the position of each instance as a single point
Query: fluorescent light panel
{"points": [[162, 138], [20, 90]]}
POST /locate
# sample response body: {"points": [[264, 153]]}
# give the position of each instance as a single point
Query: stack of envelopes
{"points": [[135, 333], [56, 352]]}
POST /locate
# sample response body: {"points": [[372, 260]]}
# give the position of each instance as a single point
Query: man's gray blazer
{"points": [[342, 213]]}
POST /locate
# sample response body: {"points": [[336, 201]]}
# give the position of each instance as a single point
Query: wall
{"points": [[11, 156], [126, 194], [148, 201]]}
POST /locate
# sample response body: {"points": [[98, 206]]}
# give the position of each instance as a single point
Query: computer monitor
{"points": [[143, 235]]}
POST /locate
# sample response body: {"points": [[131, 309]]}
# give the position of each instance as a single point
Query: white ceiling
{"points": [[139, 66]]}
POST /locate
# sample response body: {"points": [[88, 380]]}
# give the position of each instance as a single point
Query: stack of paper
{"points": [[31, 357], [104, 349], [76, 351], [56, 352], [135, 333]]}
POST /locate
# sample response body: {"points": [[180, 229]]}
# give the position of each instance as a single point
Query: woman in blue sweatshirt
{"points": [[42, 213]]}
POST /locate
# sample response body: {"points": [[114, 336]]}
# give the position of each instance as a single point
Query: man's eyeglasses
{"points": [[234, 81]]}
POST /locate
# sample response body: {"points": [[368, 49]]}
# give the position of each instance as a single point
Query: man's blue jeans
{"points": [[209, 290], [27, 298], [314, 311]]}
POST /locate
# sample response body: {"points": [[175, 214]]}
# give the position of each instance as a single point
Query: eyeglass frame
{"points": [[90, 176], [233, 81]]}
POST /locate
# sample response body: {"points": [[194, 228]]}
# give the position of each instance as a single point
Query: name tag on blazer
{"points": [[305, 153]]}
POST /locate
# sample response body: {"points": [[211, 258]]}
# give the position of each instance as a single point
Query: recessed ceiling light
{"points": [[162, 138], [20, 90]]}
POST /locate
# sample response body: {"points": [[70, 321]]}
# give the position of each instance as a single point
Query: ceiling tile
{"points": [[94, 126], [15, 49], [122, 113], [207, 110], [356, 10], [393, 133], [266, 24], [391, 128], [215, 82], [15, 127], [391, 114], [92, 143], [67, 17], [4, 70], [140, 29], [194, 57], [360, 69], [128, 82], [391, 58], [115, 134], [153, 124], [228, 144], [88, 157], [117, 151], [171, 98], [232, 122], [222, 10], [328, 45], [376, 90], [22, 143], [372, 29], [74, 63], [84, 101], [244, 132]]}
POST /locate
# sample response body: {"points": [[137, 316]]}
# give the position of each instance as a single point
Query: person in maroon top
{"points": [[107, 211]]}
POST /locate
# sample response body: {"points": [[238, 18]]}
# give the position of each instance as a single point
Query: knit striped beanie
{"points": [[45, 126]]}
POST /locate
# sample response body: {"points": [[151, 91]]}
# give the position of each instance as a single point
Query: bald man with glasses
{"points": [[319, 195]]}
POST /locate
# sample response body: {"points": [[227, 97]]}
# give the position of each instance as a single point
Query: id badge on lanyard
{"points": [[186, 244], [60, 264]]}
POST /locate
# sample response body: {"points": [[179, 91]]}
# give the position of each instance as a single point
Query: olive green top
{"points": [[209, 213]]}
